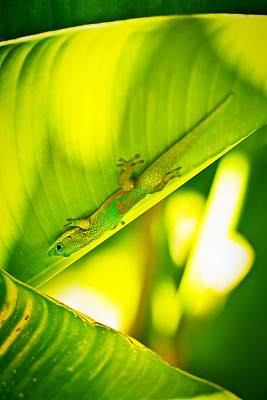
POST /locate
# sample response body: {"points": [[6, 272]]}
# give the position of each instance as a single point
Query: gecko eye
{"points": [[59, 247]]}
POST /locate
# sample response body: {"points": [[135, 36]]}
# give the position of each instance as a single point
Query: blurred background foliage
{"points": [[139, 281]]}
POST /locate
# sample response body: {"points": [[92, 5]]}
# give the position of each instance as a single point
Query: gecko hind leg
{"points": [[80, 223], [115, 226], [166, 179], [125, 181]]}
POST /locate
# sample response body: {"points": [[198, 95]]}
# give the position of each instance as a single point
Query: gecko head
{"points": [[65, 245], [57, 249]]}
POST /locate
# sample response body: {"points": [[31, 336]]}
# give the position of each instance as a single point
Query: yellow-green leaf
{"points": [[49, 351], [73, 102]]}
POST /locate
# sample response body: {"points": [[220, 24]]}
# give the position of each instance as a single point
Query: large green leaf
{"points": [[49, 351], [73, 102], [22, 18]]}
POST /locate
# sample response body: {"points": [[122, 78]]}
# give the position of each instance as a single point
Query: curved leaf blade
{"points": [[19, 19], [73, 102], [48, 350]]}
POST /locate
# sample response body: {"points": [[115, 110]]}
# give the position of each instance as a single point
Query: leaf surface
{"points": [[48, 350], [75, 101]]}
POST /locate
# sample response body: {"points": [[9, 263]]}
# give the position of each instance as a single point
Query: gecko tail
{"points": [[199, 130]]}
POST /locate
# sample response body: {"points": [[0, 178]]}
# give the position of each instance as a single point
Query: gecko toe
{"points": [[69, 224]]}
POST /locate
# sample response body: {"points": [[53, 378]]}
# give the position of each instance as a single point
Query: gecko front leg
{"points": [[166, 179], [125, 181], [80, 223]]}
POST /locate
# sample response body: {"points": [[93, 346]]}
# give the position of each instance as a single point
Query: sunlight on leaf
{"points": [[90, 301], [75, 101], [221, 258], [182, 216], [164, 298]]}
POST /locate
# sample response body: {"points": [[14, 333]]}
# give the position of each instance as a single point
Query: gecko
{"points": [[155, 177]]}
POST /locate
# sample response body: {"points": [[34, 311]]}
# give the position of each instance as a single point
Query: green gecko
{"points": [[153, 179]]}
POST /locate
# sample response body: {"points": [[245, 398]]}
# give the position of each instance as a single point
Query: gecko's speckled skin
{"points": [[153, 179]]}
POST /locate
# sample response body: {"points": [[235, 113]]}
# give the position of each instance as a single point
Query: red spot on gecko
{"points": [[18, 329], [120, 204], [26, 317], [123, 211]]}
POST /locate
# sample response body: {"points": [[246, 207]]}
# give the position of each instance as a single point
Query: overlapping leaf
{"points": [[50, 351], [26, 18]]}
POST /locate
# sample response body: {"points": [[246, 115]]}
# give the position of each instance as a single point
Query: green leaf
{"points": [[73, 102], [27, 18], [48, 350]]}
